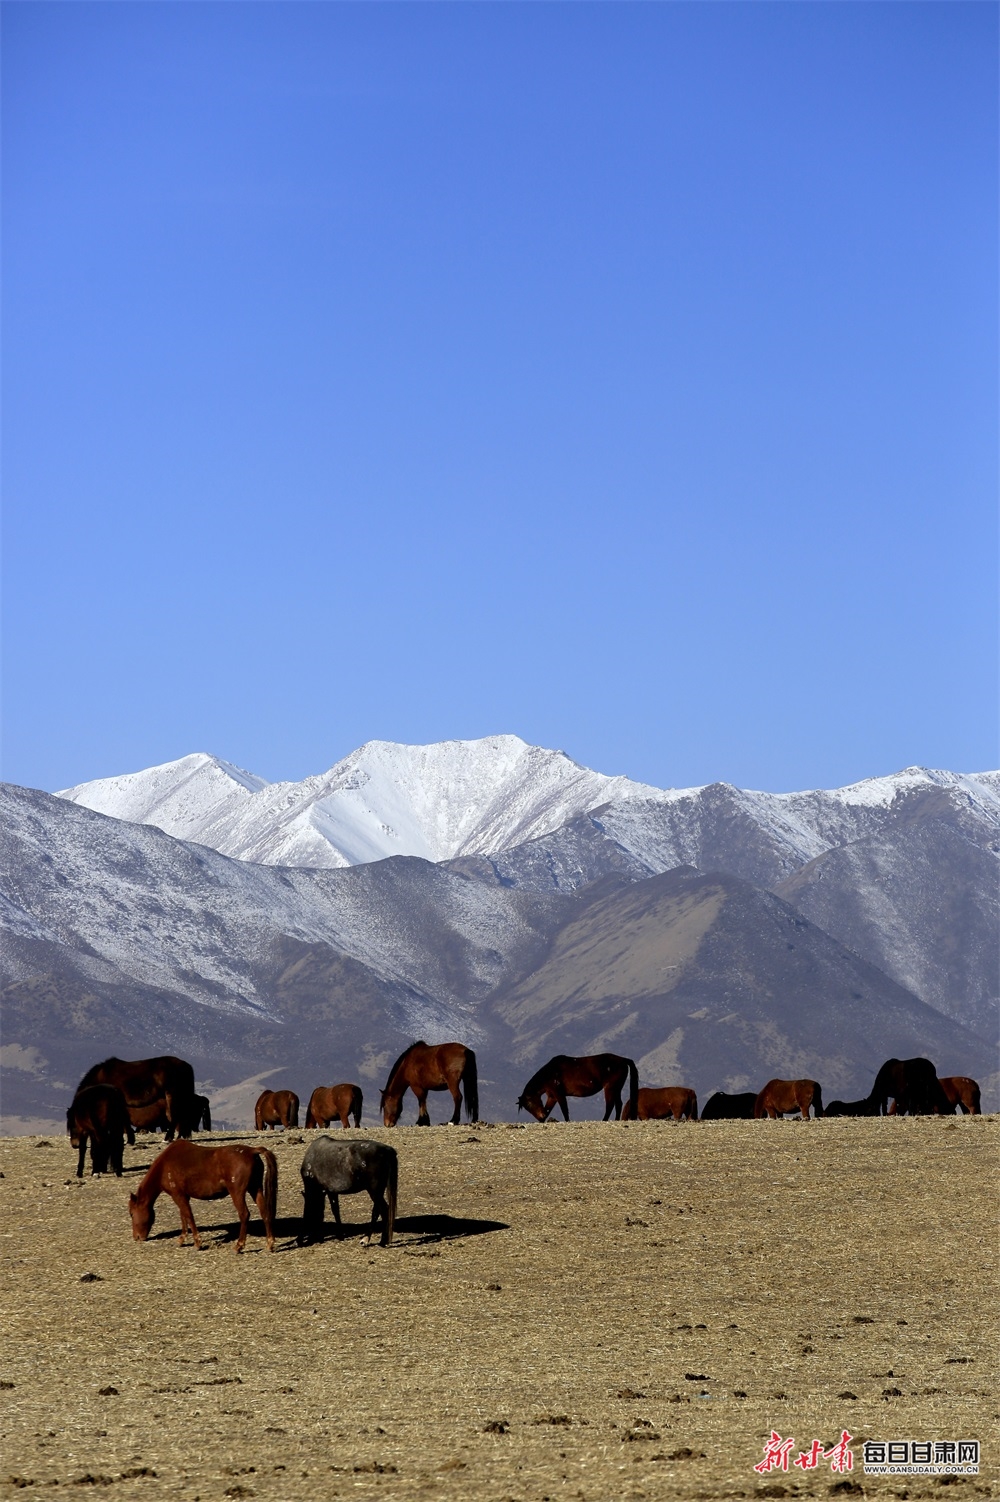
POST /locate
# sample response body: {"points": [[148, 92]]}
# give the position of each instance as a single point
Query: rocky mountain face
{"points": [[641, 923]]}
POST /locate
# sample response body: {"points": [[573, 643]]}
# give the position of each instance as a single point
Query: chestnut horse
{"points": [[565, 1075], [421, 1067], [779, 1096], [960, 1090], [144, 1082], [99, 1115], [656, 1105], [912, 1085], [276, 1108], [334, 1103], [186, 1171]]}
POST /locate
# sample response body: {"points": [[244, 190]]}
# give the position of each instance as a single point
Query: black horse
{"points": [[331, 1168], [723, 1107], [99, 1115], [912, 1085]]}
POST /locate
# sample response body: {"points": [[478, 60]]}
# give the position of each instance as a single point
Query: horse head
{"points": [[533, 1105], [391, 1106], [142, 1218]]}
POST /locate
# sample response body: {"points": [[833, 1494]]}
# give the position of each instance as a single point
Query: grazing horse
{"points": [[960, 1090], [153, 1118], [851, 1108], [143, 1082], [779, 1096], [334, 1103], [276, 1108], [723, 1107], [331, 1168], [656, 1105], [565, 1075], [912, 1085], [422, 1067], [99, 1115], [186, 1171]]}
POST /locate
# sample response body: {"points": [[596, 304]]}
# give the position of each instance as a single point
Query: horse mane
{"points": [[540, 1076], [404, 1055]]}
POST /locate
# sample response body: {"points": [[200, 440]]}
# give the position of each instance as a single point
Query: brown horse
{"points": [[143, 1082], [422, 1067], [99, 1115], [912, 1085], [960, 1090], [186, 1171], [276, 1108], [334, 1103], [779, 1096], [656, 1105], [565, 1075], [153, 1118]]}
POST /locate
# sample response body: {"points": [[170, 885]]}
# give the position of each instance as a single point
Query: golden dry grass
{"points": [[609, 1312]]}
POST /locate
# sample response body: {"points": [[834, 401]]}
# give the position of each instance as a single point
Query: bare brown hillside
{"points": [[582, 1311]]}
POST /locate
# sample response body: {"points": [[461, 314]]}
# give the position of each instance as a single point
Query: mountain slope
{"points": [[708, 980], [119, 938]]}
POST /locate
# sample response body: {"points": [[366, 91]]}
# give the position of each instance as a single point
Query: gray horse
{"points": [[331, 1168]]}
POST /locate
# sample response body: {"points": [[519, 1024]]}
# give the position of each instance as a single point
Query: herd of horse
{"points": [[118, 1097]]}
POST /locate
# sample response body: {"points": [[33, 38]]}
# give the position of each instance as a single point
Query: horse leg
{"points": [[239, 1199], [612, 1101], [187, 1219], [561, 1098], [423, 1118], [117, 1150], [456, 1095], [335, 1207], [83, 1154]]}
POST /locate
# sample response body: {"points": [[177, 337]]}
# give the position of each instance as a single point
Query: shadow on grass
{"points": [[410, 1231]]}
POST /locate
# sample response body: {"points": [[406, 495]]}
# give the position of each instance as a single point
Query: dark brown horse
{"points": [[99, 1115], [960, 1090], [779, 1096], [851, 1108], [187, 1171], [334, 1103], [723, 1107], [423, 1067], [146, 1081], [276, 1108], [912, 1085], [565, 1075], [153, 1118], [657, 1105]]}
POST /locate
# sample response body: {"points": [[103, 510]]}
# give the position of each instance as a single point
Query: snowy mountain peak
{"points": [[482, 797], [438, 801]]}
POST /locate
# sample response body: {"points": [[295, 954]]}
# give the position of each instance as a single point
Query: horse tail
{"points": [[694, 1107], [310, 1118], [470, 1079], [206, 1115], [633, 1089], [817, 1098], [268, 1188], [392, 1187]]}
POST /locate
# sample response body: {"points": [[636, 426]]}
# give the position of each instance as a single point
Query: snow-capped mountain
{"points": [[437, 802], [458, 799]]}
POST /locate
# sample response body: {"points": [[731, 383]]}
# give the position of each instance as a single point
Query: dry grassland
{"points": [[579, 1311]]}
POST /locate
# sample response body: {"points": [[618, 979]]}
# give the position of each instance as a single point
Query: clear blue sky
{"points": [[622, 376]]}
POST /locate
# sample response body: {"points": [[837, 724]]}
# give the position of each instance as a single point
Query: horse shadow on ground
{"points": [[410, 1232]]}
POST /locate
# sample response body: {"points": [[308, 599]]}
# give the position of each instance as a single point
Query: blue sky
{"points": [[622, 376]]}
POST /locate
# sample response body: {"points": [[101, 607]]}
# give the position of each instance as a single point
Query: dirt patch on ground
{"points": [[578, 1311]]}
